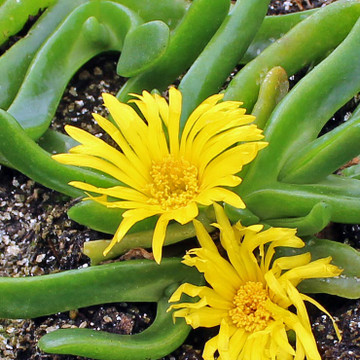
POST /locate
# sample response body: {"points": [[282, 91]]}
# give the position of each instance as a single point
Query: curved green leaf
{"points": [[142, 48], [314, 222], [162, 337], [14, 15]]}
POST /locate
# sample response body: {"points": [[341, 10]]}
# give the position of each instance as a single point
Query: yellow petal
{"points": [[303, 335], [159, 236], [275, 237], [209, 196], [185, 214], [231, 161], [205, 317], [124, 115], [290, 262], [225, 333], [148, 106], [122, 204], [197, 113], [228, 181], [163, 108], [187, 143], [316, 269], [283, 237], [120, 192], [203, 237], [208, 149], [133, 132], [320, 307], [254, 348], [98, 164], [277, 291], [224, 224], [237, 342], [127, 222], [210, 348], [135, 147], [182, 313], [80, 135], [279, 336], [297, 301], [113, 156], [190, 307], [232, 245], [243, 260], [175, 102], [217, 271], [210, 297], [212, 122]]}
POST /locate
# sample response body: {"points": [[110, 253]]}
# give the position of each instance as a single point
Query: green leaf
{"points": [[143, 47], [133, 280], [312, 223], [352, 171]]}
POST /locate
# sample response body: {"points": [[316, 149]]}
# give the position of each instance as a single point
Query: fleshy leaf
{"points": [[314, 222], [142, 47]]}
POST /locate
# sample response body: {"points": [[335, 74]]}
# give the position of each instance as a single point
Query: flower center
{"points": [[175, 183], [249, 312]]}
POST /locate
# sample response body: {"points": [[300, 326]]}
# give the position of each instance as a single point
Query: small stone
{"points": [[73, 314], [13, 250], [40, 258], [107, 319], [10, 330], [66, 326], [84, 75], [73, 91], [51, 328], [98, 71]]}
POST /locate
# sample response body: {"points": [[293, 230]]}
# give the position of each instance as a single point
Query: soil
{"points": [[36, 237]]}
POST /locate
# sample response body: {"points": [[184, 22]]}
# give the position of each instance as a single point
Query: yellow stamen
{"points": [[175, 183], [249, 312]]}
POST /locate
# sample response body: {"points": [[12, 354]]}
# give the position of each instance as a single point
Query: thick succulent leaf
{"points": [[314, 222], [136, 280], [142, 48]]}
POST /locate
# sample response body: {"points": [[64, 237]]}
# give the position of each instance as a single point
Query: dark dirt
{"points": [[347, 315], [36, 237], [289, 6]]}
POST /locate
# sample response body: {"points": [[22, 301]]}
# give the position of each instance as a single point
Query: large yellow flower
{"points": [[162, 172], [250, 295]]}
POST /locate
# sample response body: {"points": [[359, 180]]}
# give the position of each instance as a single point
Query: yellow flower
{"points": [[162, 172], [250, 294]]}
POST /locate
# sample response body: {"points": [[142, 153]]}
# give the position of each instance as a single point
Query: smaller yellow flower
{"points": [[250, 295], [160, 170]]}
